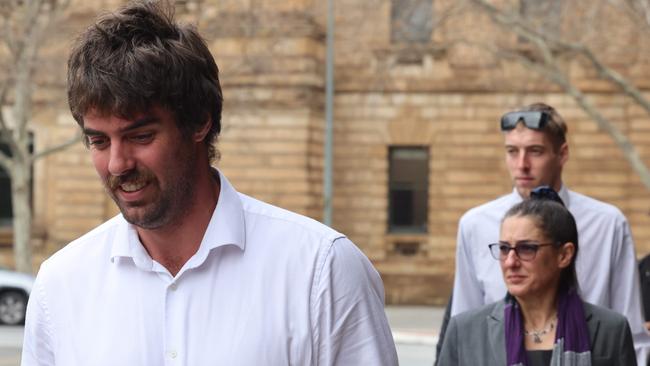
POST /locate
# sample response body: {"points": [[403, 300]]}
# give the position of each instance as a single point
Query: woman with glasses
{"points": [[542, 319]]}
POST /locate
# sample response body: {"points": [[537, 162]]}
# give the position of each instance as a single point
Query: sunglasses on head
{"points": [[535, 120]]}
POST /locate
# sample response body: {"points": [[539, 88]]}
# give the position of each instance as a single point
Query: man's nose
{"points": [[523, 162], [121, 160]]}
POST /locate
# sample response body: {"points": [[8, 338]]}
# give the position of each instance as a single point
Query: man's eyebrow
{"points": [[91, 132], [144, 121], [525, 146]]}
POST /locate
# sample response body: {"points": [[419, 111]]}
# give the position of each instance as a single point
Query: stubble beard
{"points": [[171, 203]]}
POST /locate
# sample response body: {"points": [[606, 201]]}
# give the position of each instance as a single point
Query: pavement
{"points": [[11, 340], [415, 331]]}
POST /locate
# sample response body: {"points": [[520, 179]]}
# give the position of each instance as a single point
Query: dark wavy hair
{"points": [[557, 223], [138, 57]]}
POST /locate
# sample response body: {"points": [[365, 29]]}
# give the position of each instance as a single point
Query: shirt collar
{"points": [[226, 227], [564, 195], [126, 244]]}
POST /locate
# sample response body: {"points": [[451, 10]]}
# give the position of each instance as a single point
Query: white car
{"points": [[15, 288]]}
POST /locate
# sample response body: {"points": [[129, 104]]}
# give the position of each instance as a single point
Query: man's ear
{"points": [[564, 153], [200, 134]]}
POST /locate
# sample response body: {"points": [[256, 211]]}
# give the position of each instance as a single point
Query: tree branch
{"points": [[56, 148], [541, 40], [616, 78], [551, 71], [619, 138]]}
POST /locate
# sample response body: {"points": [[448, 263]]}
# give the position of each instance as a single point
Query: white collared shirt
{"points": [[266, 287], [606, 265]]}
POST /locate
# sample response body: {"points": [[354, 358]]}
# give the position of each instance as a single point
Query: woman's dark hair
{"points": [[138, 57], [557, 223]]}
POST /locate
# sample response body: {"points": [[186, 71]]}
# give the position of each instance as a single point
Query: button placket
{"points": [[173, 327]]}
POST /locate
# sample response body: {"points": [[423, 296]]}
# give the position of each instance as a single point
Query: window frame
{"points": [[419, 187]]}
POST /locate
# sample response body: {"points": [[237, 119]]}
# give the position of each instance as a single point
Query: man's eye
{"points": [[97, 141], [142, 137], [511, 151]]}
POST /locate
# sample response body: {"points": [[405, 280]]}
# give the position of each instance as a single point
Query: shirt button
{"points": [[173, 354], [173, 286]]}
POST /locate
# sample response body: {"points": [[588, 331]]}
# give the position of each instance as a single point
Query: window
{"points": [[408, 189], [411, 21], [6, 209]]}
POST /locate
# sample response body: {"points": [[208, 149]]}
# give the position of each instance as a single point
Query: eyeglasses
{"points": [[535, 120], [524, 251]]}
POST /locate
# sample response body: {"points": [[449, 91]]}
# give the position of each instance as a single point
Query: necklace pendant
{"points": [[536, 338]]}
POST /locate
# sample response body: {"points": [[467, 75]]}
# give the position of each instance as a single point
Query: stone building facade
{"points": [[400, 98]]}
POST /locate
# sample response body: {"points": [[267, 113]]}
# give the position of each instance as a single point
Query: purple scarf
{"points": [[571, 335]]}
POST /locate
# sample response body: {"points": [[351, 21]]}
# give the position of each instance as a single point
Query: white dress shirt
{"points": [[606, 265], [266, 287]]}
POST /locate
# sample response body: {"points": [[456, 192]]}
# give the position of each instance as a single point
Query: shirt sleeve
{"points": [[467, 291], [37, 342], [625, 289], [349, 325]]}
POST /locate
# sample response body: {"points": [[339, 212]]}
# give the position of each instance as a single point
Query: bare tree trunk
{"points": [[22, 222], [20, 171]]}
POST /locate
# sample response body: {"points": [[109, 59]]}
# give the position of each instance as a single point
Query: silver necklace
{"points": [[538, 334]]}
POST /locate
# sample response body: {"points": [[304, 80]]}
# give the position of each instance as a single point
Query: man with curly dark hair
{"points": [[191, 272]]}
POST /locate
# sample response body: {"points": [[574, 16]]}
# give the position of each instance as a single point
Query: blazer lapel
{"points": [[496, 333], [593, 324]]}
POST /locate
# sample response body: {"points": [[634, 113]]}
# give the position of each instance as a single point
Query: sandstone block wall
{"points": [[443, 96]]}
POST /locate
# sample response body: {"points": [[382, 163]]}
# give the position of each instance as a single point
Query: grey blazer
{"points": [[478, 338]]}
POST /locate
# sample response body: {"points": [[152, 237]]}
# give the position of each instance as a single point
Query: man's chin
{"points": [[524, 191], [131, 213], [144, 216], [142, 221], [125, 205]]}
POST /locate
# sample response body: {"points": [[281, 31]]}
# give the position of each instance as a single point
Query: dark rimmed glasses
{"points": [[524, 251], [535, 120]]}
